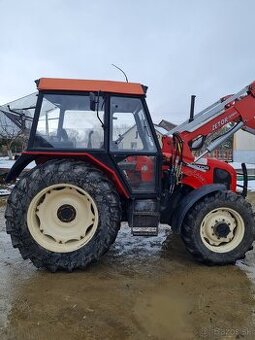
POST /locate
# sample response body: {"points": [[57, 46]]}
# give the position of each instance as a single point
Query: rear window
{"points": [[66, 122]]}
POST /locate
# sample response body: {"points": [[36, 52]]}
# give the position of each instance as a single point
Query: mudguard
{"points": [[188, 201], [18, 166]]}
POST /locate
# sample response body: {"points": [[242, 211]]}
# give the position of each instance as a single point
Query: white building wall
{"points": [[242, 156], [244, 147], [244, 141], [131, 140]]}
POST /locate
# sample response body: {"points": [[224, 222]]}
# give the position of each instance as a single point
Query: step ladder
{"points": [[143, 217]]}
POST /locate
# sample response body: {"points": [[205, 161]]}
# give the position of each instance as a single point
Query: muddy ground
{"points": [[143, 288]]}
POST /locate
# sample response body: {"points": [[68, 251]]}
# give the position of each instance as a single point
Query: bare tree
{"points": [[10, 134]]}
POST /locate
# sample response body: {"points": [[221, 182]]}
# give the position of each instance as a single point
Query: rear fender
{"points": [[41, 157], [18, 167], [189, 200]]}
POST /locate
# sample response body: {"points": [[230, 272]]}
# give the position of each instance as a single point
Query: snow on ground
{"points": [[5, 192], [251, 185], [6, 163], [237, 165]]}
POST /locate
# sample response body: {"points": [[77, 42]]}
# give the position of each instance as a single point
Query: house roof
{"points": [[167, 125], [160, 129], [90, 85]]}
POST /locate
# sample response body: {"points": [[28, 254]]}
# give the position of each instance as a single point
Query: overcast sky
{"points": [[177, 48]]}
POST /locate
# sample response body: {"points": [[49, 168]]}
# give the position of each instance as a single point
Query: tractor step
{"points": [[144, 231], [143, 217]]}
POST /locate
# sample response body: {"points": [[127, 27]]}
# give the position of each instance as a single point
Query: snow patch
{"points": [[5, 192], [6, 163], [237, 165]]}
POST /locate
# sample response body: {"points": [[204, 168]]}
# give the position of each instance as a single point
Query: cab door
{"points": [[134, 146]]}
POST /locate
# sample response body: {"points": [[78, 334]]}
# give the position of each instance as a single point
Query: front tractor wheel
{"points": [[63, 215], [219, 229]]}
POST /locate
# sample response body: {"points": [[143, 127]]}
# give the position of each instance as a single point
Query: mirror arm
{"points": [[97, 102]]}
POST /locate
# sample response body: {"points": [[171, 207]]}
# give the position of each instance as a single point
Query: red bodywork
{"points": [[197, 175], [197, 178]]}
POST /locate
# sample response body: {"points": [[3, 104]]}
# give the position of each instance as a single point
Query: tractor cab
{"points": [[103, 123], [109, 122]]}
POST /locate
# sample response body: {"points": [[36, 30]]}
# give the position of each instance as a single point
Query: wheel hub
{"points": [[222, 230], [66, 213]]}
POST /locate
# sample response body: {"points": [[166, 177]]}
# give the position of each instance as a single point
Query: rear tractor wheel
{"points": [[63, 215], [219, 229]]}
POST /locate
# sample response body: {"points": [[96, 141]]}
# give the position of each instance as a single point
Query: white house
{"points": [[244, 147]]}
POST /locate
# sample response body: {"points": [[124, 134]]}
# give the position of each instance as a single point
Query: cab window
{"points": [[130, 130], [66, 122]]}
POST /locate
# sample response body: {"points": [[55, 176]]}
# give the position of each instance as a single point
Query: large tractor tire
{"points": [[219, 229], [63, 215]]}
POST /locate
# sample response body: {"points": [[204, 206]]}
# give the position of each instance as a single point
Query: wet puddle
{"points": [[143, 288]]}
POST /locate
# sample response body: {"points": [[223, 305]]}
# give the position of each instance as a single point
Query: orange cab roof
{"points": [[90, 85]]}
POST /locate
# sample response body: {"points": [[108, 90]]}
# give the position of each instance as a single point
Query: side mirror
{"points": [[197, 143], [92, 101]]}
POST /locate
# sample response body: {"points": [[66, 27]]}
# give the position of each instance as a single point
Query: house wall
{"points": [[131, 140], [244, 141], [244, 147]]}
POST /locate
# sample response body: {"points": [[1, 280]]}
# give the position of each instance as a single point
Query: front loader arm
{"points": [[238, 109]]}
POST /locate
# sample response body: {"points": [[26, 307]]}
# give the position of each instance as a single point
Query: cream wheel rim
{"points": [[222, 230], [62, 218]]}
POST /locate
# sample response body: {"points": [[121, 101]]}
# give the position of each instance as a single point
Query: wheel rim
{"points": [[62, 218], [222, 230]]}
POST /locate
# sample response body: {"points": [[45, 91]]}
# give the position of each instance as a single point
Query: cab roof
{"points": [[44, 84]]}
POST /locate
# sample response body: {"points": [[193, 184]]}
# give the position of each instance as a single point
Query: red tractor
{"points": [[99, 162]]}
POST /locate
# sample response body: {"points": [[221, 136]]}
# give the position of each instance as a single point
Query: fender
{"points": [[19, 166], [189, 200], [29, 156]]}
